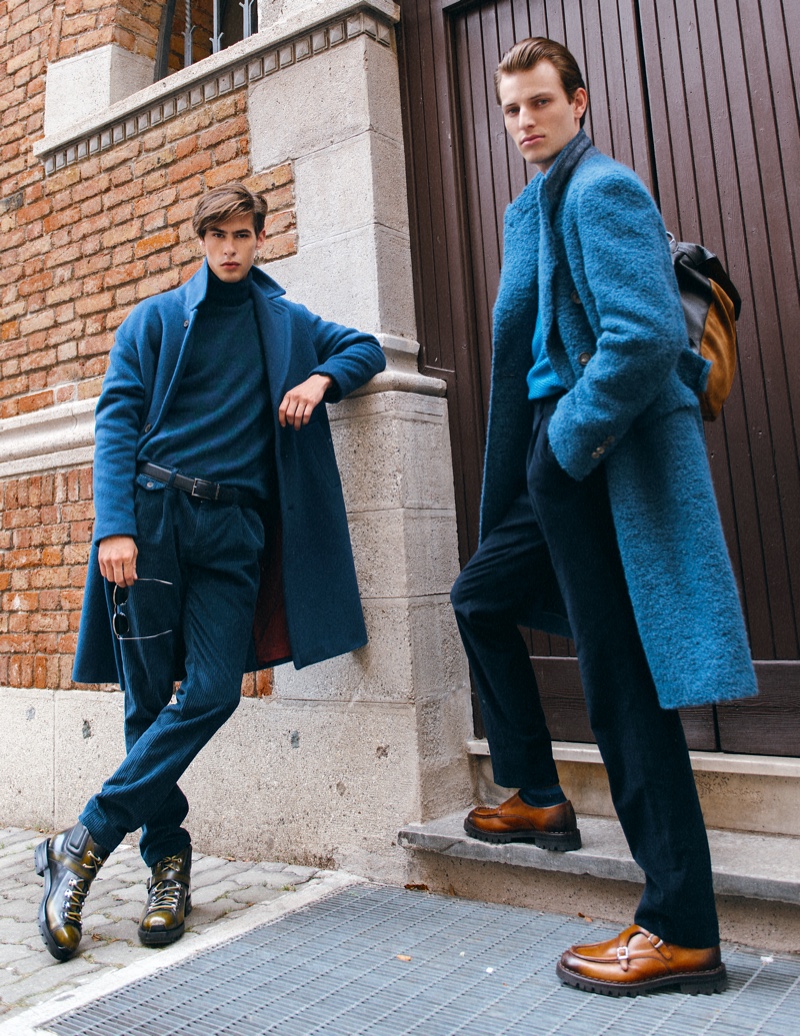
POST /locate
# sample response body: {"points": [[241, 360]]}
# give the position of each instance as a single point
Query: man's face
{"points": [[231, 247], [539, 116]]}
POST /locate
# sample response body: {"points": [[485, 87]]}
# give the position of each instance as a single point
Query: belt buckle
{"points": [[205, 490]]}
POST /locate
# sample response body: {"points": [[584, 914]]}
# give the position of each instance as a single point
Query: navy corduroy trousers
{"points": [[198, 569], [642, 745]]}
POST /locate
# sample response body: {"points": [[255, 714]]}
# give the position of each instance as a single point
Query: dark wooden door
{"points": [[701, 100]]}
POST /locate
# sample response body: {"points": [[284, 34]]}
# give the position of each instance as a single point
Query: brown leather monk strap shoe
{"points": [[636, 961], [68, 862], [169, 900], [552, 827]]}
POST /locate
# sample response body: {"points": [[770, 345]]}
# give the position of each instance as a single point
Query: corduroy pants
{"points": [[198, 569], [642, 745]]}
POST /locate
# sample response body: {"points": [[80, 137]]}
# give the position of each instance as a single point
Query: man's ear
{"points": [[202, 241], [580, 102]]}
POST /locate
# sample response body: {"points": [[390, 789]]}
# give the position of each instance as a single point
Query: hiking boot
{"points": [[68, 862], [169, 900]]}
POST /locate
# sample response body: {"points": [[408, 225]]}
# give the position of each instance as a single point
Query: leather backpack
{"points": [[711, 306]]}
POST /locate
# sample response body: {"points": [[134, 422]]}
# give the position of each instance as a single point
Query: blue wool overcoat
{"points": [[586, 245], [309, 607]]}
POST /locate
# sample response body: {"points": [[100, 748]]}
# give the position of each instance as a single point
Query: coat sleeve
{"points": [[619, 260], [348, 356], [118, 421]]}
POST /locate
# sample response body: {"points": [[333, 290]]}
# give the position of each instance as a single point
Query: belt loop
{"points": [[171, 479]]}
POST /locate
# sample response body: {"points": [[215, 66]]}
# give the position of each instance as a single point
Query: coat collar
{"points": [[196, 288]]}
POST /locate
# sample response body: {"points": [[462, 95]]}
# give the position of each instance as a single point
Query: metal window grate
{"points": [[475, 969]]}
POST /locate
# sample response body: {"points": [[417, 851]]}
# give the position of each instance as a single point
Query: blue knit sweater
{"points": [[219, 426]]}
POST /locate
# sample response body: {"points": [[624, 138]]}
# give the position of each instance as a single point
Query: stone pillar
{"points": [[378, 736]]}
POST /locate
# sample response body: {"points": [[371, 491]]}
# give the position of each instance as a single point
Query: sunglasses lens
{"points": [[120, 619]]}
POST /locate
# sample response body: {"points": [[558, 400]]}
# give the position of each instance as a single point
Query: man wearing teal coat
{"points": [[599, 521], [220, 542]]}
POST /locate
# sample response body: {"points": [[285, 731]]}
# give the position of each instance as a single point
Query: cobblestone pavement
{"points": [[221, 890]]}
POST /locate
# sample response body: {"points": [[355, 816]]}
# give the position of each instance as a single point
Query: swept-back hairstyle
{"points": [[223, 203], [528, 53]]}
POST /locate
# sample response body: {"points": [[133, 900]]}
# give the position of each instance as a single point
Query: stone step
{"points": [[754, 866]]}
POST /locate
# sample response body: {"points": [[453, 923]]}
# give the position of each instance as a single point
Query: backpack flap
{"points": [[711, 305]]}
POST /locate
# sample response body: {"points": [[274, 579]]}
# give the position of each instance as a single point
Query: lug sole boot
{"points": [[550, 827], [636, 962], [169, 900], [68, 862]]}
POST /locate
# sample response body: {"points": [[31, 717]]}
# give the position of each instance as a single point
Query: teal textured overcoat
{"points": [[586, 245]]}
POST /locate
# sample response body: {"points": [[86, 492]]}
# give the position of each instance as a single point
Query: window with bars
{"points": [[193, 29]]}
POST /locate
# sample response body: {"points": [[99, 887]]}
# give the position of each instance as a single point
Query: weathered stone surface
{"points": [[81, 86]]}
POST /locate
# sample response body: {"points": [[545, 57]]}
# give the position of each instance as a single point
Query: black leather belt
{"points": [[199, 487]]}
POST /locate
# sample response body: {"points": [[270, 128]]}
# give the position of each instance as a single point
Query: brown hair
{"points": [[528, 53], [223, 203]]}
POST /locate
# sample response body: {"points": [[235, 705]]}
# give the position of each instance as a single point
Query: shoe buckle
{"points": [[623, 956]]}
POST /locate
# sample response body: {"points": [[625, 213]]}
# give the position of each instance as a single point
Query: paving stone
{"points": [[211, 892], [212, 877], [49, 978], [115, 954], [204, 914], [12, 952], [253, 894]]}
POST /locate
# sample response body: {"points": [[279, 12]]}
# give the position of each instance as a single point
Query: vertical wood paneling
{"points": [[727, 153], [441, 279]]}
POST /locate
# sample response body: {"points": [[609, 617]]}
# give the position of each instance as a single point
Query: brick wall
{"points": [[80, 248]]}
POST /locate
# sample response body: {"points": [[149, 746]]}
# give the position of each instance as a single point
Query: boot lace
{"points": [[165, 895], [78, 889], [93, 863], [170, 863], [75, 893]]}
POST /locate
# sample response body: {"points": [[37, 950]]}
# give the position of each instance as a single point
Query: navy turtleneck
{"points": [[219, 426]]}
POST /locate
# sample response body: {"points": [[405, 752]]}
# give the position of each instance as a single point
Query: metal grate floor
{"points": [[339, 968]]}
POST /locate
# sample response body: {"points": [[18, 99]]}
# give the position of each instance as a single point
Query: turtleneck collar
{"points": [[222, 294]]}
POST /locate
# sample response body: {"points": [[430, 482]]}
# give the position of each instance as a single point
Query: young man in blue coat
{"points": [[599, 521], [220, 542]]}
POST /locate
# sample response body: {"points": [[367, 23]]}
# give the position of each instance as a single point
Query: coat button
{"points": [[575, 297], [147, 427], [186, 323], [149, 485], [584, 358]]}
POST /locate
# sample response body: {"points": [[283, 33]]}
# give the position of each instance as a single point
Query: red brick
{"points": [[189, 167], [228, 173], [156, 242], [27, 404], [94, 303]]}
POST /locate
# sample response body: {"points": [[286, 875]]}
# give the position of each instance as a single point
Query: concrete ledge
{"points": [[711, 762], [752, 866]]}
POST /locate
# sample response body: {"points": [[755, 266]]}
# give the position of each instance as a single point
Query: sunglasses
{"points": [[119, 619]]}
